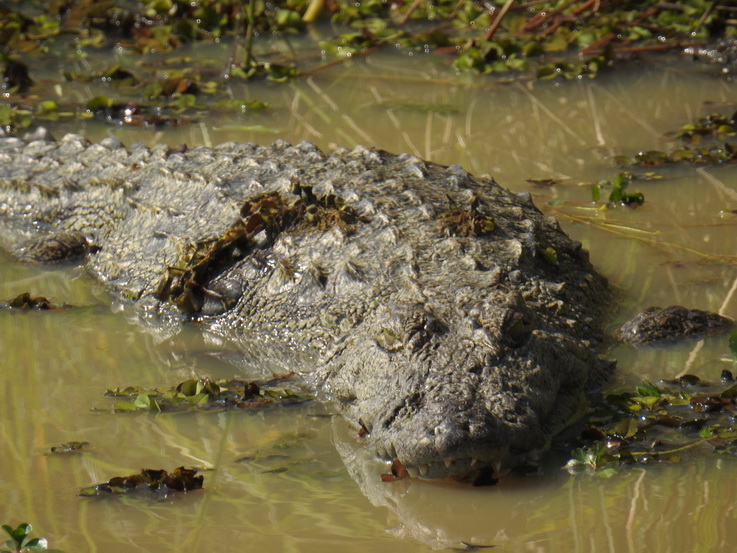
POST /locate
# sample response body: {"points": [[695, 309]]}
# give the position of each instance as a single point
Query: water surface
{"points": [[289, 479]]}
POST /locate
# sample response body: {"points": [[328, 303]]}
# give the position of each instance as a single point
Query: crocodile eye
{"points": [[418, 339], [423, 330], [388, 340], [411, 329], [435, 326]]}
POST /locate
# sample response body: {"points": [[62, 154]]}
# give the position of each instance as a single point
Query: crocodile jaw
{"points": [[464, 400]]}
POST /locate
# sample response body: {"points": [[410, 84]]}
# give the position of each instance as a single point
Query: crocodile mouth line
{"points": [[461, 468], [475, 472]]}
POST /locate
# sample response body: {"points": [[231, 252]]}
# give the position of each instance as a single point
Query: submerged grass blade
{"points": [[630, 232]]}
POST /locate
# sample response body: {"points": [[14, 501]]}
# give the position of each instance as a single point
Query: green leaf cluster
{"points": [[706, 132], [660, 423], [541, 38], [208, 395], [708, 155], [618, 194], [20, 540], [550, 39], [713, 125], [170, 97]]}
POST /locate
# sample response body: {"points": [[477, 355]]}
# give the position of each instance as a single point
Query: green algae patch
{"points": [[149, 482], [656, 423], [203, 394], [21, 541]]}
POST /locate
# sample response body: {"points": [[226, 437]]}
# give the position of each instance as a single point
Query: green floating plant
{"points": [[618, 194], [20, 540], [660, 423], [707, 155], [713, 125], [204, 394], [148, 481]]}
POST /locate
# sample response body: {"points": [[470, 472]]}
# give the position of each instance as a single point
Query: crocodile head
{"points": [[450, 395]]}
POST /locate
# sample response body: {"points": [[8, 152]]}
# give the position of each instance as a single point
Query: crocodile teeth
{"points": [[424, 469], [448, 463], [497, 465], [391, 451], [413, 472], [473, 462]]}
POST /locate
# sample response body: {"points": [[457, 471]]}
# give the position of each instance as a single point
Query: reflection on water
{"points": [[288, 479]]}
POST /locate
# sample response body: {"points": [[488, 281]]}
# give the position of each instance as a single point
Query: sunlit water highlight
{"points": [[274, 481]]}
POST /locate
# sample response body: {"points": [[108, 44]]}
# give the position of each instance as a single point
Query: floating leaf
{"points": [[626, 428], [648, 389], [21, 541], [124, 406], [206, 394], [99, 102], [68, 448], [158, 482], [142, 401], [659, 424], [595, 193]]}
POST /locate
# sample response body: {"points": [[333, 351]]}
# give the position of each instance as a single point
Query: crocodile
{"points": [[452, 322], [657, 326]]}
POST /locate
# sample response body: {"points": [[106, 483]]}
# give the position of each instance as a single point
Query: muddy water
{"points": [[291, 479]]}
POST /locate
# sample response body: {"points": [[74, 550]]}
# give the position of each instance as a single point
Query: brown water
{"points": [[297, 493]]}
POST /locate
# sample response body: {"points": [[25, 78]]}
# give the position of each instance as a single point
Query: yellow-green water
{"points": [[298, 493]]}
